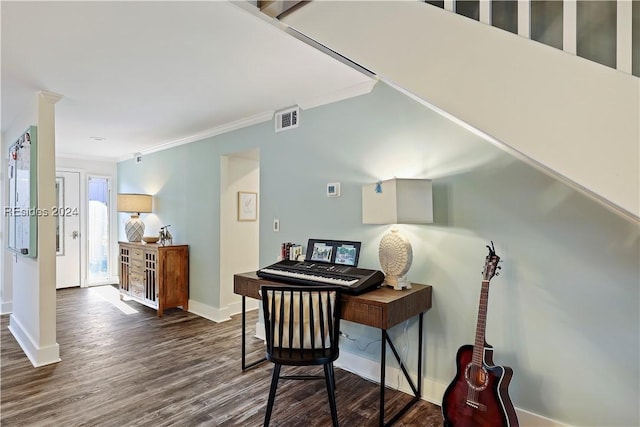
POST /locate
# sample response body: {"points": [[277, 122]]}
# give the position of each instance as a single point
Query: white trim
{"points": [[524, 18], [38, 356], [209, 312], [260, 332], [449, 5], [236, 308], [218, 130], [432, 391], [484, 12], [624, 36]]}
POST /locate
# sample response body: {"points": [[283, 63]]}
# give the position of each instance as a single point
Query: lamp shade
{"points": [[398, 201], [135, 203]]}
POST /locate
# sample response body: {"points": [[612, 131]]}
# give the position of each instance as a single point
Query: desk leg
{"points": [[383, 363], [417, 390], [244, 329]]}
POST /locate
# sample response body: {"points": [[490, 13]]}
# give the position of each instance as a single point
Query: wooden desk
{"points": [[380, 308]]}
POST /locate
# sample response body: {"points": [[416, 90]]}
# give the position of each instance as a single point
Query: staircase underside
{"points": [[573, 118]]}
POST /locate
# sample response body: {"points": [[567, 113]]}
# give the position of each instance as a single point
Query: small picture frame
{"points": [[247, 206]]}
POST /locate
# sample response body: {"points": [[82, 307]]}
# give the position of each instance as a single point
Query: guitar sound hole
{"points": [[476, 376]]}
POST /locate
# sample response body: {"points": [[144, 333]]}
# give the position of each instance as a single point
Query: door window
{"points": [[98, 190]]}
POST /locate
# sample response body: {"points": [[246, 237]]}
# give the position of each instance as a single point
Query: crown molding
{"points": [[50, 97], [218, 130]]}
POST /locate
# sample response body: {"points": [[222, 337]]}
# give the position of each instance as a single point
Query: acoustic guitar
{"points": [[477, 396]]}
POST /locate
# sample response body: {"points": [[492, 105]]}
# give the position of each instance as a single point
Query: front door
{"points": [[67, 214]]}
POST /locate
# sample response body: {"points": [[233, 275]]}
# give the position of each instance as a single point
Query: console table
{"points": [[381, 308], [155, 275]]}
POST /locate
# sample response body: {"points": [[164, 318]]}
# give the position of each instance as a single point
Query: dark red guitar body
{"points": [[490, 407]]}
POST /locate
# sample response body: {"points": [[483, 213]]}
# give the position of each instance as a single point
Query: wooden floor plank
{"points": [[137, 369]]}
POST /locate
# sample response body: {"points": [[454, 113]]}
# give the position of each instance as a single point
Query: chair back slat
{"points": [[323, 332], [301, 322]]}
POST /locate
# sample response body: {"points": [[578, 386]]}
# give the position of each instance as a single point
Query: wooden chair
{"points": [[302, 325]]}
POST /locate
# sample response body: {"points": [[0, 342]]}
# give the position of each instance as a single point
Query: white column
{"points": [[524, 18], [33, 320], [624, 40], [569, 27], [48, 351]]}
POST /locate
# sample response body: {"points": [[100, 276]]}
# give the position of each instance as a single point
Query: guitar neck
{"points": [[481, 325]]}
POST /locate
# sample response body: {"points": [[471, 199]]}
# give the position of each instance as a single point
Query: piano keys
{"points": [[352, 280]]}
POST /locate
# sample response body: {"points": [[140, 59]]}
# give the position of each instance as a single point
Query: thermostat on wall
{"points": [[333, 189]]}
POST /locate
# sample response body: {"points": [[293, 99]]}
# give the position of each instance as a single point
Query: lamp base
{"points": [[397, 283], [396, 256], [134, 228]]}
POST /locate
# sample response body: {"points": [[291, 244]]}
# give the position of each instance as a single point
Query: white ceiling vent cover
{"points": [[287, 119]]}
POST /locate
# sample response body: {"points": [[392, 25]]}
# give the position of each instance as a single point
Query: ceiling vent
{"points": [[287, 119]]}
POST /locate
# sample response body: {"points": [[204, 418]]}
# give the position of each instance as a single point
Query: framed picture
{"points": [[247, 206]]}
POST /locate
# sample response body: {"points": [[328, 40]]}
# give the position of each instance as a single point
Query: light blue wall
{"points": [[564, 312]]}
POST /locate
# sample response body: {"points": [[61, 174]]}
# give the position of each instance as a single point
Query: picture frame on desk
{"points": [[247, 206]]}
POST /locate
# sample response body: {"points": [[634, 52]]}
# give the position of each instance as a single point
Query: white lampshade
{"points": [[397, 201], [135, 204]]}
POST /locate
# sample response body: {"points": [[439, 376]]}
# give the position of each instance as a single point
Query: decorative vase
{"points": [[134, 228]]}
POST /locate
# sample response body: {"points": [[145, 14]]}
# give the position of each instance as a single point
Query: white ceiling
{"points": [[148, 74]]}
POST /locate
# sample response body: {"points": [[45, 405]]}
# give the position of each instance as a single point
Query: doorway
{"points": [[239, 239], [67, 215]]}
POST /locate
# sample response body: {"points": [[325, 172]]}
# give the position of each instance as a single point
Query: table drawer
{"points": [[136, 285], [137, 266], [137, 254], [363, 313]]}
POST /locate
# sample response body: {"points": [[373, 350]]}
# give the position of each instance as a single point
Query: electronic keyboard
{"points": [[352, 280]]}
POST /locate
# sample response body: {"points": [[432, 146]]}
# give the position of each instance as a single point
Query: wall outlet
{"points": [[276, 225]]}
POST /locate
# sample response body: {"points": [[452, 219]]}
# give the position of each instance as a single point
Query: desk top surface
{"points": [[381, 308]]}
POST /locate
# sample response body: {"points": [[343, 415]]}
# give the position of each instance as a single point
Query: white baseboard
{"points": [[38, 356], [432, 391], [208, 312]]}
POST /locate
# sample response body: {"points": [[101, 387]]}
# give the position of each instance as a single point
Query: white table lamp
{"points": [[134, 204], [397, 201]]}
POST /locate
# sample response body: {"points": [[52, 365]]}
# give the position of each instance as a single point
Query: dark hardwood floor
{"points": [[137, 369]]}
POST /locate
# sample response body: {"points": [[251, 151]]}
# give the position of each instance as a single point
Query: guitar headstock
{"points": [[491, 264]]}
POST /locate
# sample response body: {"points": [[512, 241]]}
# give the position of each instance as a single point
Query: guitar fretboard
{"points": [[481, 325]]}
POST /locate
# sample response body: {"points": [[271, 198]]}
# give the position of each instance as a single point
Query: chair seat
{"points": [[297, 357]]}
